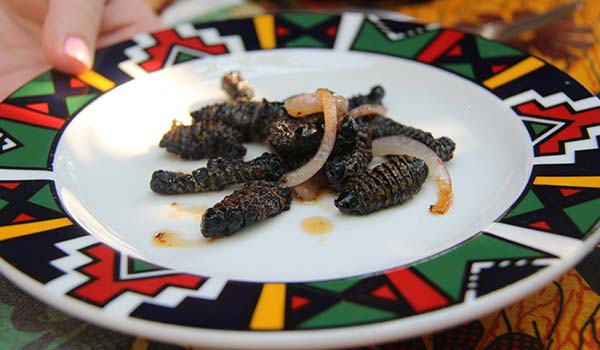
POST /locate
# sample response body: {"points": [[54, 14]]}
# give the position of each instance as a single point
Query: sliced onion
{"points": [[305, 172], [399, 144], [305, 104], [367, 109], [310, 189]]}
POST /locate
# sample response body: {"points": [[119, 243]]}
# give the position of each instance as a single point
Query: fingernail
{"points": [[76, 48]]}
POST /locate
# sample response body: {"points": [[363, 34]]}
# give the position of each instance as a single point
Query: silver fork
{"points": [[499, 31], [502, 31]]}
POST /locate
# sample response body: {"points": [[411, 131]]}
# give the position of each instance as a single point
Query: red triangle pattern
{"points": [[23, 218], [385, 292], [496, 68], [542, 225], [566, 192], [282, 31], [298, 302], [76, 83], [417, 292], [10, 185], [331, 31], [455, 51], [40, 107]]}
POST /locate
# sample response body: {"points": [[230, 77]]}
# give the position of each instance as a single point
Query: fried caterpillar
{"points": [[300, 137], [220, 129], [203, 140], [218, 174], [390, 183], [352, 156], [374, 97], [250, 118], [256, 201]]}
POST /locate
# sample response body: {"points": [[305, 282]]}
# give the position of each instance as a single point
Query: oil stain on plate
{"points": [[316, 225]]}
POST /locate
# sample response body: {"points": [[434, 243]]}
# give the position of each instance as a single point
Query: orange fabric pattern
{"points": [[571, 43]]}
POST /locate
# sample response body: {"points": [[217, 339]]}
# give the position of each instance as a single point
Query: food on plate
{"points": [[317, 161], [256, 201], [249, 118], [400, 144], [218, 174], [295, 138], [203, 139], [380, 126], [308, 103], [351, 159], [390, 183], [236, 87], [316, 141]]}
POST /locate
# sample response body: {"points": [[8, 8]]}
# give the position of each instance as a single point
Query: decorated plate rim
{"points": [[547, 107]]}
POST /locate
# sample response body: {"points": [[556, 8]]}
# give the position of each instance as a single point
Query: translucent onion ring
{"points": [[367, 109], [309, 190], [399, 144], [305, 172], [304, 104]]}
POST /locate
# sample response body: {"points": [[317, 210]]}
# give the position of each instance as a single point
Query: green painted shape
{"points": [[45, 198], [463, 69], [10, 337], [584, 215], [36, 141], [306, 20], [3, 203], [184, 57], [448, 270], [538, 129], [40, 86], [528, 204], [142, 266], [336, 285], [491, 49], [346, 313], [371, 39], [74, 103], [305, 41]]}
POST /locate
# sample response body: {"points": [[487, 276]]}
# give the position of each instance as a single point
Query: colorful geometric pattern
{"points": [[105, 283], [306, 30], [562, 198], [571, 125], [504, 70]]}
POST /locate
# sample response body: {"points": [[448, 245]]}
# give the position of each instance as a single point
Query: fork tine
{"points": [[506, 31]]}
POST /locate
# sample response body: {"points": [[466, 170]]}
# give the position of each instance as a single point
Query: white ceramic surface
{"points": [[112, 146]]}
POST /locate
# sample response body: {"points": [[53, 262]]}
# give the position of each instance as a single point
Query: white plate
{"points": [[78, 228]]}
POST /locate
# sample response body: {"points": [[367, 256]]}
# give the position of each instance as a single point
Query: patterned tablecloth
{"points": [[563, 315]]}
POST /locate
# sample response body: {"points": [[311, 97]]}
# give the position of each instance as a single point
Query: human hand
{"points": [[38, 34]]}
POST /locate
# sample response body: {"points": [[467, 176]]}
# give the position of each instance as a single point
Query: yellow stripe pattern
{"points": [[265, 30], [520, 69], [96, 80], [269, 313], [29, 228], [568, 181]]}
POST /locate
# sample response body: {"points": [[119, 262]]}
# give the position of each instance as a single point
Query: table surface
{"points": [[564, 315]]}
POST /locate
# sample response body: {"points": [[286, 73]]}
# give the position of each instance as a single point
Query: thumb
{"points": [[70, 33]]}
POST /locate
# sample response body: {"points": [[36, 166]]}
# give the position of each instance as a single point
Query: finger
{"points": [[70, 32], [125, 18]]}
